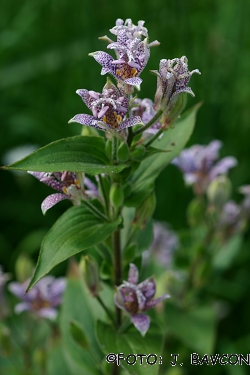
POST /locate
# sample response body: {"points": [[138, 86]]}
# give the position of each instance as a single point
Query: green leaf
{"points": [[73, 154], [78, 306], [76, 230], [195, 328], [132, 342], [174, 141], [227, 253]]}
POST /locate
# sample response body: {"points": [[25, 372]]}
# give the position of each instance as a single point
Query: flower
{"points": [[109, 109], [131, 51], [145, 109], [165, 242], [42, 299], [199, 167], [172, 79], [136, 298], [69, 184]]}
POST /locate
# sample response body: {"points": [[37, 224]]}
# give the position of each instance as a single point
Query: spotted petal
{"points": [[51, 200], [87, 120], [154, 302], [105, 60], [133, 275], [141, 322], [136, 120]]}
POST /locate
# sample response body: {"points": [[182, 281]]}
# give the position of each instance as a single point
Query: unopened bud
{"points": [[108, 148], [219, 191], [123, 152], [138, 153], [116, 195], [89, 131], [90, 272], [144, 212], [195, 212], [24, 268], [173, 110]]}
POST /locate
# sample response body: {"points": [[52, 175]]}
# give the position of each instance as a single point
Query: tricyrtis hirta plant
{"points": [[108, 174]]}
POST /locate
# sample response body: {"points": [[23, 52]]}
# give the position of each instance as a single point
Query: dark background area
{"points": [[44, 46]]}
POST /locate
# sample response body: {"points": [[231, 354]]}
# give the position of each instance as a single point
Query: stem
{"points": [[150, 123], [95, 210], [117, 267], [106, 309], [154, 138], [114, 149], [105, 197]]}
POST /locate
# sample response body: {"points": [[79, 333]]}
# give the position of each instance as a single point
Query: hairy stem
{"points": [[150, 123], [156, 136], [106, 309], [95, 210]]}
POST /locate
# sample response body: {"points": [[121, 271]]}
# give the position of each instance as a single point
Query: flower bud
{"points": [[195, 212], [175, 108], [138, 153], [116, 195], [24, 268], [219, 191], [108, 148], [123, 152], [90, 272], [144, 212]]}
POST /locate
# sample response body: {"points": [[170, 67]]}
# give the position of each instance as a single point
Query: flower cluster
{"points": [[132, 53], [199, 166], [42, 299], [136, 298], [109, 109]]}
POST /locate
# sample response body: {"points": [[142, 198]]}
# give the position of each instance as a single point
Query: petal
{"points": [[23, 306], [48, 313], [133, 274], [87, 120], [141, 322], [148, 288], [17, 289], [105, 60], [136, 120], [223, 166], [135, 81], [154, 302], [51, 200], [87, 97]]}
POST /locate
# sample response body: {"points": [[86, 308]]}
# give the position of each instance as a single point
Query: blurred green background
{"points": [[44, 46]]}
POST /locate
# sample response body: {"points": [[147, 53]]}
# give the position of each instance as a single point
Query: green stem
{"points": [[150, 123], [117, 267], [106, 309], [114, 149], [154, 138], [105, 197], [95, 210]]}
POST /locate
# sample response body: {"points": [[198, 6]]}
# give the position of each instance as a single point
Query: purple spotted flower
{"points": [[109, 109], [199, 167], [136, 298], [43, 299], [145, 109], [172, 80], [70, 186], [132, 53]]}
